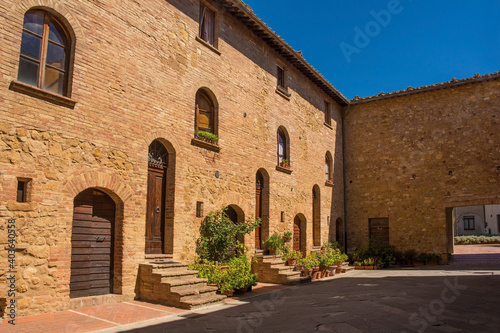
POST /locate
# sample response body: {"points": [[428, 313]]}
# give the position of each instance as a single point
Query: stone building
{"points": [[123, 124]]}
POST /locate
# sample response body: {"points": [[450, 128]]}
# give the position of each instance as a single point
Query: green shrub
{"points": [[477, 239], [384, 253], [275, 242], [219, 236]]}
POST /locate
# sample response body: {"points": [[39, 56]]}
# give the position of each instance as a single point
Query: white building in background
{"points": [[477, 220], [492, 216]]}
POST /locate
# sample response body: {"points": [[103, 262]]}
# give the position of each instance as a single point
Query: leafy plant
{"points": [[212, 271], [479, 239], [287, 236], [207, 136], [291, 254], [219, 236], [238, 275], [310, 261], [384, 252], [275, 243]]}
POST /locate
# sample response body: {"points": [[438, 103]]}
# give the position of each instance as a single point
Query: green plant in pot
{"points": [[275, 244], [291, 256]]}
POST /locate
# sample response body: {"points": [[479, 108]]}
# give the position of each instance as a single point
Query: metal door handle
{"points": [[99, 240], [157, 210]]}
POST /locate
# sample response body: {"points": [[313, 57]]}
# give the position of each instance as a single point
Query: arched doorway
{"points": [[261, 206], [160, 199], [316, 216], [338, 228], [236, 215], [299, 233], [92, 244]]}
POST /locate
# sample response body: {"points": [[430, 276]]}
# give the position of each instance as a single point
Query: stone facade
{"points": [[412, 156], [135, 72]]}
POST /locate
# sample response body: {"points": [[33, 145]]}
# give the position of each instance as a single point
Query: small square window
{"points": [[469, 223], [23, 187], [199, 209]]}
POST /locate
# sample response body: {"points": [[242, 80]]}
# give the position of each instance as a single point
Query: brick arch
{"points": [[112, 185], [160, 135], [57, 8]]}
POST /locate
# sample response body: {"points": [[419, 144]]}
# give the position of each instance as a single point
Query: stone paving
{"points": [[439, 299]]}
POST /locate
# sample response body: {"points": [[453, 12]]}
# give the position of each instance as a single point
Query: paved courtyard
{"points": [[442, 299]]}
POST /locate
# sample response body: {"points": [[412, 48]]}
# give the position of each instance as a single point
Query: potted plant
{"points": [[284, 163], [287, 236], [291, 256], [207, 137], [274, 244]]}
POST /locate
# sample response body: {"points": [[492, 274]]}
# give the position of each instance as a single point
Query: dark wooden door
{"points": [[155, 214], [379, 228], [92, 244], [296, 234], [258, 213], [337, 230]]}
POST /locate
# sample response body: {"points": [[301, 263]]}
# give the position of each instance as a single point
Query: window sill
{"points": [[13, 205], [205, 145], [283, 93], [328, 125], [329, 183], [285, 170], [211, 47], [42, 94]]}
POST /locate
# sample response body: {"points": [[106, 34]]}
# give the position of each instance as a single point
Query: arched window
{"points": [[283, 148], [328, 168], [205, 113], [44, 58]]}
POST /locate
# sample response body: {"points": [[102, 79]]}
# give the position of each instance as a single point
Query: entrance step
{"points": [[173, 284], [344, 268], [272, 269], [159, 257]]}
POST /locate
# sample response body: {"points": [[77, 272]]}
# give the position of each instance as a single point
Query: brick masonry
{"points": [[136, 70], [419, 155]]}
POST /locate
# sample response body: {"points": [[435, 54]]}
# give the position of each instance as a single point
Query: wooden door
{"points": [[258, 213], [155, 214], [379, 228], [92, 243], [296, 234]]}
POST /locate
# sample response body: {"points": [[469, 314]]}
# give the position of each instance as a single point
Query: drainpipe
{"points": [[344, 176]]}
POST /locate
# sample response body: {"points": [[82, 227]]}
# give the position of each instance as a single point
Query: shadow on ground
{"points": [[448, 303]]}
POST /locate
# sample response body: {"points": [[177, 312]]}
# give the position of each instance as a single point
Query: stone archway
{"points": [[299, 233]]}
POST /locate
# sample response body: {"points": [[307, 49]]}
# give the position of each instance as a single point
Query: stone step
{"points": [[175, 272], [191, 302], [176, 281], [345, 269], [193, 290], [166, 257], [289, 273], [294, 280], [157, 266]]}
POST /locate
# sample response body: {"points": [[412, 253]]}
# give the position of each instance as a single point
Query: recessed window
{"points": [[23, 187], [207, 25], [469, 223], [199, 209], [281, 78], [44, 57], [328, 168], [283, 154], [206, 118], [328, 117]]}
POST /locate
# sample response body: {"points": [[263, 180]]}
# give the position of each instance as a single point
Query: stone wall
{"points": [[136, 72], [411, 157]]}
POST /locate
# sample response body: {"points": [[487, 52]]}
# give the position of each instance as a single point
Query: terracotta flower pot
{"points": [[291, 262]]}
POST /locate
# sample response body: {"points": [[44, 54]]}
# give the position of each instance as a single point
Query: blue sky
{"points": [[405, 42]]}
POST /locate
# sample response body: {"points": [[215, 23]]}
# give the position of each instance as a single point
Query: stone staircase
{"points": [[272, 269], [344, 268], [161, 280]]}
